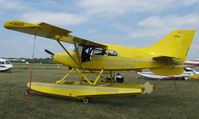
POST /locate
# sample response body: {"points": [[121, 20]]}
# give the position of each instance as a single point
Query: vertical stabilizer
{"points": [[176, 44]]}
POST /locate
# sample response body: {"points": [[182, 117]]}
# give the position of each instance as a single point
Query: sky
{"points": [[136, 23]]}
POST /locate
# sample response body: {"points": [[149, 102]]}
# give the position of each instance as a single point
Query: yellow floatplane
{"points": [[165, 57]]}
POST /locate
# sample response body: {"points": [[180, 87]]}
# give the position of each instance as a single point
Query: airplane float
{"points": [[165, 57], [189, 72], [5, 65]]}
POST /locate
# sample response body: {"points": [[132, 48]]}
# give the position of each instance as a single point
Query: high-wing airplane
{"points": [[5, 65], [165, 57]]}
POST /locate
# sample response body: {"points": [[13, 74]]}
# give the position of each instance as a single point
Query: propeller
{"points": [[49, 52]]}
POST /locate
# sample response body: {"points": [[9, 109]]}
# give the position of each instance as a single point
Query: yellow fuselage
{"points": [[127, 59]]}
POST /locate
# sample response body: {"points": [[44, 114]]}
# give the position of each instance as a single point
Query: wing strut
{"points": [[77, 52], [78, 64]]}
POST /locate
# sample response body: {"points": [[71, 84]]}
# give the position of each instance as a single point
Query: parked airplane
{"points": [[188, 72], [5, 65], [194, 62], [162, 58]]}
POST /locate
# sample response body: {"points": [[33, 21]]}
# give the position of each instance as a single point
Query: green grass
{"points": [[162, 103]]}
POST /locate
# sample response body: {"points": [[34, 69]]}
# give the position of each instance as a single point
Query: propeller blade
{"points": [[49, 52]]}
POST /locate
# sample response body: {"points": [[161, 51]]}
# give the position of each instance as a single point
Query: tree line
{"points": [[30, 60]]}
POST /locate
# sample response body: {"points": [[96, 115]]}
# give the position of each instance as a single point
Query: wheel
{"points": [[85, 100], [27, 92], [137, 77]]}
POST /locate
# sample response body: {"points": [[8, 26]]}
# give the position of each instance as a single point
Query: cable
{"points": [[176, 89], [30, 73]]}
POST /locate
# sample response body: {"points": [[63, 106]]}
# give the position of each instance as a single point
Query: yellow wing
{"points": [[49, 31]]}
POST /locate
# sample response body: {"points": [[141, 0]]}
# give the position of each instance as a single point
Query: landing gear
{"points": [[85, 100], [90, 82], [27, 92], [9, 70]]}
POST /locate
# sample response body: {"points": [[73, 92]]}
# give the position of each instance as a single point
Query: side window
{"points": [[112, 53], [99, 51], [2, 62], [188, 69], [7, 62]]}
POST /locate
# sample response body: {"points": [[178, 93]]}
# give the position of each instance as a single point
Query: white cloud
{"points": [[173, 21], [56, 18], [119, 7], [189, 2], [156, 27], [110, 8], [13, 5]]}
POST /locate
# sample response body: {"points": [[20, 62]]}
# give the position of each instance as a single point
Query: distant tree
{"points": [[35, 60]]}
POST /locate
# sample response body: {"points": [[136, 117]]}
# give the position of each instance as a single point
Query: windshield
{"points": [[2, 62], [99, 51], [188, 69], [112, 53], [7, 62]]}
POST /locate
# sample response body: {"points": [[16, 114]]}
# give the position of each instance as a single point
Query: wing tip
{"points": [[17, 24]]}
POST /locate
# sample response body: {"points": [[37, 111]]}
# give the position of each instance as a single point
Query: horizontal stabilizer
{"points": [[167, 59]]}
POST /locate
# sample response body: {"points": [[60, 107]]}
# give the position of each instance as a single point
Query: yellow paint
{"points": [[172, 47], [84, 76], [62, 80], [97, 78], [195, 76], [86, 90]]}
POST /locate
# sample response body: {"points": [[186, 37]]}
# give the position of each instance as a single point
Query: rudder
{"points": [[176, 44]]}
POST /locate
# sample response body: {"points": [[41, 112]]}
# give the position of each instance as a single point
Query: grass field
{"points": [[162, 103]]}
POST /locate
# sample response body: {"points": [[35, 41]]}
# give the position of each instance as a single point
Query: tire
{"points": [[27, 92], [85, 100]]}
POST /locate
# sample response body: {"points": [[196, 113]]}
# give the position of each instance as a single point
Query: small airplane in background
{"points": [[5, 65], [165, 57], [189, 72], [192, 63]]}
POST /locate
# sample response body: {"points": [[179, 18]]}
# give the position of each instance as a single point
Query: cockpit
{"points": [[87, 52], [5, 62]]}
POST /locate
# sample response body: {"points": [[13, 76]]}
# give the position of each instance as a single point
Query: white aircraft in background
{"points": [[188, 72], [5, 65], [192, 62]]}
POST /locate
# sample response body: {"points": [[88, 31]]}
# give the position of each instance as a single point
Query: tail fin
{"points": [[173, 46], [176, 44]]}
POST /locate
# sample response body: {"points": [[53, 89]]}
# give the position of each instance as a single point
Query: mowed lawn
{"points": [[161, 103]]}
